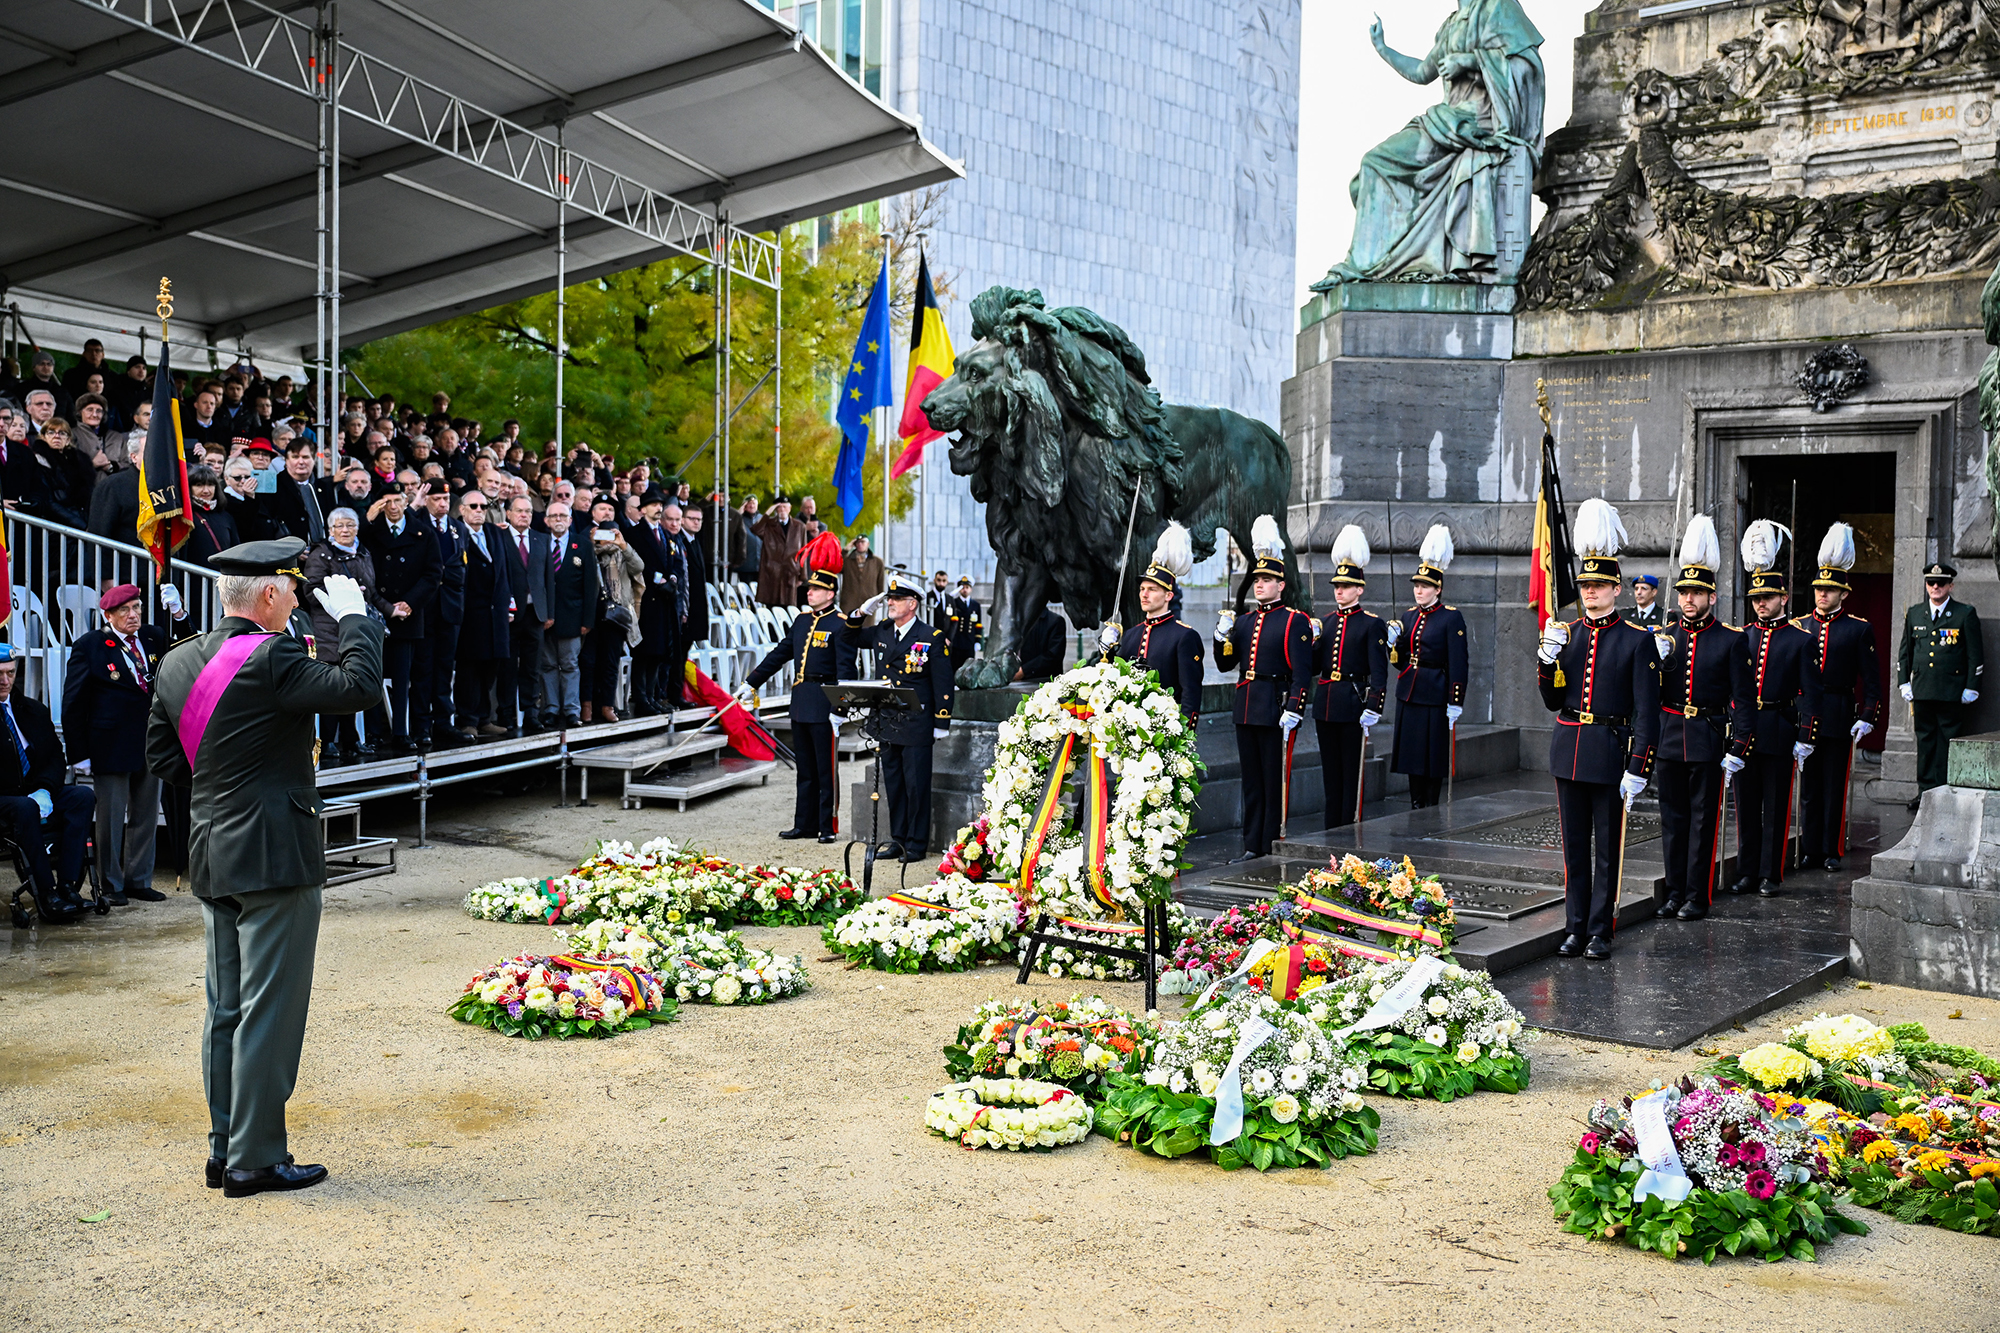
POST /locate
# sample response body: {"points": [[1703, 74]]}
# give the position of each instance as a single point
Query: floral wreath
{"points": [[1126, 737], [1010, 1113]]}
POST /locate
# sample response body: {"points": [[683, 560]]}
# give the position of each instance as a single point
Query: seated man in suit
{"points": [[106, 697], [36, 809]]}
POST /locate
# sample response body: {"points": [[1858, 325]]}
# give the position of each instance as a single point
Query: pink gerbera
{"points": [[1588, 1143], [1760, 1184]]}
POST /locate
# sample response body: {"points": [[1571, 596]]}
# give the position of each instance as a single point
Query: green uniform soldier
{"points": [[1938, 667], [232, 719]]}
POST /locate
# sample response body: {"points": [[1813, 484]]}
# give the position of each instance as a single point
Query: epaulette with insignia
{"points": [[1857, 619]]}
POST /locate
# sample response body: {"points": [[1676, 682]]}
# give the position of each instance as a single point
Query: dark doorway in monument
{"points": [[1810, 492]]}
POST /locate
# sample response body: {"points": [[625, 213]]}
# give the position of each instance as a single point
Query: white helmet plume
{"points": [[1836, 551], [1174, 552], [1759, 547], [1598, 530], [1351, 547], [1436, 550], [1699, 545], [1265, 539]]}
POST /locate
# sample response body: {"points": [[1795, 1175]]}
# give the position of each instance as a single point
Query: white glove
{"points": [[1452, 712], [342, 597], [1554, 635], [1224, 622], [1108, 636], [1395, 632], [1369, 717], [1630, 786], [1288, 720], [1665, 644], [873, 606], [43, 802], [1801, 752], [83, 767], [939, 733], [1909, 692], [170, 598], [1968, 696], [746, 691], [1732, 764], [1859, 729], [838, 719]]}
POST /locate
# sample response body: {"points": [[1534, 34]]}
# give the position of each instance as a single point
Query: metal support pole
{"points": [[562, 275], [778, 375], [323, 89], [728, 361], [719, 261], [423, 798]]}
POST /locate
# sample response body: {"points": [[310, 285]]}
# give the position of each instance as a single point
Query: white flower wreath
{"points": [[1009, 1113], [1149, 748]]}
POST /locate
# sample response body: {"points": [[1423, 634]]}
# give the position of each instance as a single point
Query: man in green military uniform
{"points": [[1938, 667], [232, 718]]}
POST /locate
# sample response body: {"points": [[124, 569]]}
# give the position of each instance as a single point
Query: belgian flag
{"points": [[930, 366], [1552, 561], [164, 524]]}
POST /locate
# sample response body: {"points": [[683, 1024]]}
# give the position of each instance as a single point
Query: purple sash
{"points": [[208, 687]]}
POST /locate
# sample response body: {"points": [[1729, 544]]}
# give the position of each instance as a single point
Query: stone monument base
{"points": [[1928, 912]]}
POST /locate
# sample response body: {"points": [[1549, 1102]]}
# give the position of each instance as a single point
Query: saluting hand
{"points": [[342, 597]]}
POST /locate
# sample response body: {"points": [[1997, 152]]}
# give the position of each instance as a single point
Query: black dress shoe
{"points": [[146, 895], [889, 851], [1692, 911], [1671, 908], [1571, 946], [1831, 863], [116, 897], [792, 833], [828, 837], [446, 739], [1598, 949], [211, 1174], [532, 728], [1768, 888], [914, 854], [52, 909], [283, 1176], [365, 751], [1241, 857], [1744, 885], [564, 721]]}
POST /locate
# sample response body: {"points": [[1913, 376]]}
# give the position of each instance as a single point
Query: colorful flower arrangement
{"points": [[1822, 1058], [1215, 947], [1744, 1175], [598, 994], [660, 886], [953, 926], [969, 855], [1461, 1036], [1299, 1085], [1009, 1113], [699, 965], [1924, 1158], [1386, 889], [1058, 961], [1077, 1043]]}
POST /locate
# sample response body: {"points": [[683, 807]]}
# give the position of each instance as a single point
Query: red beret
{"points": [[117, 595]]}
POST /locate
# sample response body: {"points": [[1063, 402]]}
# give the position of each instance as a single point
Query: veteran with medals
{"points": [[1601, 678], [1938, 668], [821, 649], [1351, 660], [232, 719], [915, 656], [1272, 646], [1162, 644], [1706, 700], [1844, 649]]}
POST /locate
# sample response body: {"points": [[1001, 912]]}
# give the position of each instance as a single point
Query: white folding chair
{"points": [[76, 612]]}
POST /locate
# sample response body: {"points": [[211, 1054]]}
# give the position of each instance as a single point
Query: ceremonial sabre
{"points": [[1360, 777], [1618, 884], [1125, 556], [1846, 793], [1721, 833]]}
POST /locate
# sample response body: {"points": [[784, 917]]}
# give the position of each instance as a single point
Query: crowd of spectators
{"points": [[512, 579]]}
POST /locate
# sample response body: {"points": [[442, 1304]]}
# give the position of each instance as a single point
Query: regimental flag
{"points": [[6, 579], [867, 387], [1552, 560], [930, 366], [163, 481]]}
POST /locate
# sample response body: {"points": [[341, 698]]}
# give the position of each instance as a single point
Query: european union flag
{"points": [[868, 386]]}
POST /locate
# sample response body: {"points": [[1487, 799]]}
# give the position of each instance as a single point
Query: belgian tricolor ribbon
{"points": [[915, 903], [1102, 927], [1352, 948], [1343, 913], [1287, 970], [1097, 824], [620, 969], [1045, 815]]}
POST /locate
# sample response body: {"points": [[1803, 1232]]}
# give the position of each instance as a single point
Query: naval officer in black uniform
{"points": [[1601, 678], [1272, 646], [915, 655], [1428, 652], [820, 646], [1351, 661], [1169, 647], [1784, 674], [1705, 712], [1845, 652]]}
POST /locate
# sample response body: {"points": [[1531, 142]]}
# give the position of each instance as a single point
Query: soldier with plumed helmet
{"points": [[1845, 652], [1705, 711], [1351, 660], [1785, 697], [1161, 643], [1601, 678], [1427, 649], [1271, 645]]}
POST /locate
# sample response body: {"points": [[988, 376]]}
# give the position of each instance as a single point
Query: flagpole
{"points": [[880, 414]]}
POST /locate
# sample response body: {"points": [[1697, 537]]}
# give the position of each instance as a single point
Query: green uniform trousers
{"points": [[1936, 724], [260, 966]]}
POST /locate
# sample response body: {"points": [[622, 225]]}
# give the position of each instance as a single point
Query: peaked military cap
{"points": [[902, 583], [822, 578], [280, 555], [1940, 570]]}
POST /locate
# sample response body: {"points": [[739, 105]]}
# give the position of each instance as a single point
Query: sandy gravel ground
{"points": [[766, 1168]]}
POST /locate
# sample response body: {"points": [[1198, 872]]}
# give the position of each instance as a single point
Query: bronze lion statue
{"points": [[1058, 426]]}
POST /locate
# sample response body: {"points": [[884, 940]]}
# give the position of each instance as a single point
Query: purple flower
{"points": [[513, 1008]]}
